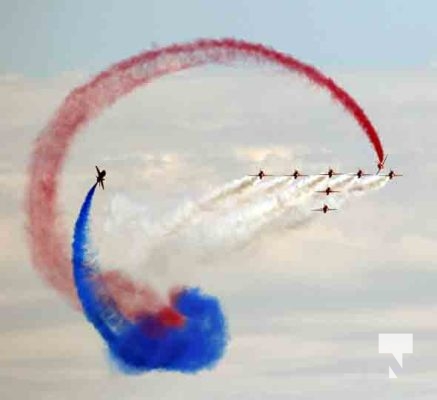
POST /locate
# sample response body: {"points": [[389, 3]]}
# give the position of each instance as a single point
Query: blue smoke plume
{"points": [[147, 343]]}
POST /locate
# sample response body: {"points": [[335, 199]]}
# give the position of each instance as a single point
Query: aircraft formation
{"points": [[296, 174], [330, 173]]}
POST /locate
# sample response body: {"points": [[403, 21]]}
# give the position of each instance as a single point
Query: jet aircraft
{"points": [[360, 173], [296, 174], [331, 173], [100, 177], [381, 165], [392, 174], [261, 174], [327, 191], [324, 209]]}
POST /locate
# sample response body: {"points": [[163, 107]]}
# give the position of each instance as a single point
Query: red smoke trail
{"points": [[49, 243]]}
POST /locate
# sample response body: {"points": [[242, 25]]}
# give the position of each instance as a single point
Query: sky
{"points": [[305, 305], [46, 37]]}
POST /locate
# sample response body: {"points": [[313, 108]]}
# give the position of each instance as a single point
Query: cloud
{"points": [[261, 154], [417, 248], [21, 345], [294, 299]]}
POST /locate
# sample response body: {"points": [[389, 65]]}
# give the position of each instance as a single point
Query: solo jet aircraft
{"points": [[100, 177]]}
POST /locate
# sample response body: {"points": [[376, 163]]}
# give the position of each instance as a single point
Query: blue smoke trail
{"points": [[147, 343]]}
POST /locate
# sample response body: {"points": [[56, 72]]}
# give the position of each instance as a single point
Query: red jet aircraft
{"points": [[381, 165], [331, 173], [324, 209], [392, 174], [360, 173], [296, 174], [328, 191], [261, 174]]}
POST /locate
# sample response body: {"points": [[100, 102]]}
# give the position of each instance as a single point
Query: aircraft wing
{"points": [[97, 169], [103, 186]]}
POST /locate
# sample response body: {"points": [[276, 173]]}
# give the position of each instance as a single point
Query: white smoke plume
{"points": [[229, 217]]}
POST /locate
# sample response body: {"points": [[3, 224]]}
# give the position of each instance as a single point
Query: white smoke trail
{"points": [[360, 187], [190, 210], [367, 184], [231, 216]]}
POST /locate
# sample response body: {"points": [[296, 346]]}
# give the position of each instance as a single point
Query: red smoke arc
{"points": [[50, 245]]}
